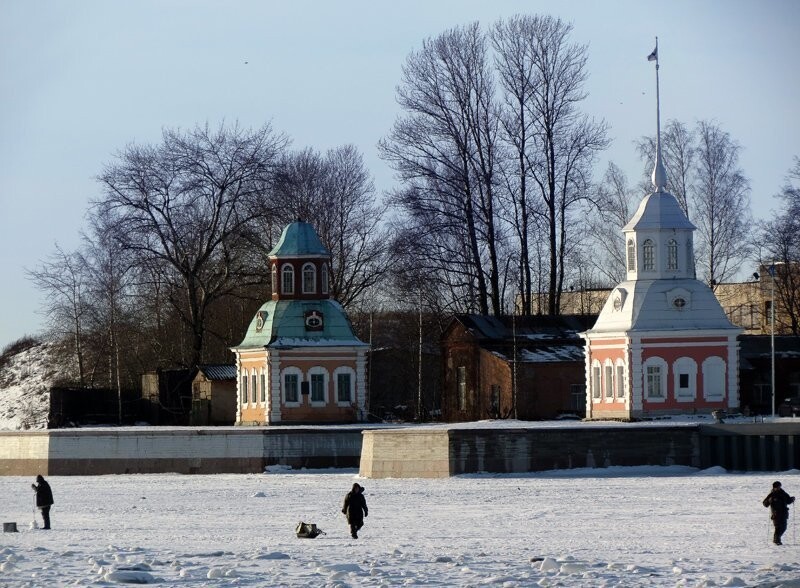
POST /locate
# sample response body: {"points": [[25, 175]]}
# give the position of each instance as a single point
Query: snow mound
{"points": [[27, 372]]}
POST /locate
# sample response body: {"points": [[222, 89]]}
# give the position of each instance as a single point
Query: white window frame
{"points": [[648, 255], [350, 372], [316, 371], [608, 380], [684, 366], [597, 388], [631, 255], [254, 387], [619, 369], [262, 376], [296, 372], [325, 278], [672, 255], [309, 270], [243, 383], [714, 376], [287, 286], [655, 362], [274, 278]]}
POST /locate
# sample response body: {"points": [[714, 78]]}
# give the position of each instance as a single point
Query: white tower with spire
{"points": [[662, 343]]}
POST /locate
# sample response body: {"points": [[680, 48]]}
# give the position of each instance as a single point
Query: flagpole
{"points": [[658, 107], [659, 173]]}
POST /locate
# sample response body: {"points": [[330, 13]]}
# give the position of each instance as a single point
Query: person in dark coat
{"points": [[44, 499], [778, 502], [355, 507]]}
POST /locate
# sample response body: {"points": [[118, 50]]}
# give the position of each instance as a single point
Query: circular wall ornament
{"points": [[617, 302], [679, 303]]}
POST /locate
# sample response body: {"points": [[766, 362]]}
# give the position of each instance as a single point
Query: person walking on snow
{"points": [[355, 507], [44, 499], [778, 502]]}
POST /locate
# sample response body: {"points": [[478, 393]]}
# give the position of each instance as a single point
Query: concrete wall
{"points": [[441, 452], [405, 453], [181, 450], [415, 452]]}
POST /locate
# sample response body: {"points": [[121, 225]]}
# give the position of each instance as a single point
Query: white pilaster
{"points": [[274, 402]]}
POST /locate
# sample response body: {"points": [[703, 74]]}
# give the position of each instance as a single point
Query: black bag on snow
{"points": [[307, 530]]}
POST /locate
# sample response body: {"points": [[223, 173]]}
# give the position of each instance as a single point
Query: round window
{"points": [[679, 303]]}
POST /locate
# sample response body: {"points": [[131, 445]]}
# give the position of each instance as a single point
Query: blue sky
{"points": [[80, 80]]}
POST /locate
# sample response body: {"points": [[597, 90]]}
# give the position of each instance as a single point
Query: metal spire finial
{"points": [[659, 177]]}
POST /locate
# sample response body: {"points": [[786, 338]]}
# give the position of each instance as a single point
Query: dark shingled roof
{"points": [[218, 371], [537, 339], [538, 327]]}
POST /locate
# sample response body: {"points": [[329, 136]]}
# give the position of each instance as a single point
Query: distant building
{"points": [[214, 395], [299, 361], [528, 368]]}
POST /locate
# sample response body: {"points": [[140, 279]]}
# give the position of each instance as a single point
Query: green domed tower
{"points": [[299, 361]]}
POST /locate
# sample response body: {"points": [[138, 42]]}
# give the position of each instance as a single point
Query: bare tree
{"points": [[444, 151], [335, 193], [62, 278], [721, 195], [185, 209], [779, 247], [612, 207], [679, 152], [553, 143]]}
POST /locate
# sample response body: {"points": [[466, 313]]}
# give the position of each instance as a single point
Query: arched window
{"points": [[318, 383], [672, 254], [274, 279], [263, 387], [620, 379], [324, 278], [344, 380], [609, 379], [287, 279], [684, 374], [689, 255], [655, 379], [649, 257], [714, 378], [596, 380], [291, 378], [631, 256], [309, 279]]}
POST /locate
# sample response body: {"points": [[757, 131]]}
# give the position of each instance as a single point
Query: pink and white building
{"points": [[662, 344]]}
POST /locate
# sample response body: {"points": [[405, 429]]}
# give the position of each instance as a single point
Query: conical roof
{"points": [[659, 210], [299, 239]]}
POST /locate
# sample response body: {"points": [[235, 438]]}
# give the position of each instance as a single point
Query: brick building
{"points": [[528, 368]]}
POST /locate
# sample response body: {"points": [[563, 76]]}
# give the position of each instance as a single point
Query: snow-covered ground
{"points": [[607, 527]]}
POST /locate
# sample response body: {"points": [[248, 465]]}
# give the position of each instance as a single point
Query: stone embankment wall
{"points": [[413, 452], [442, 452], [183, 450]]}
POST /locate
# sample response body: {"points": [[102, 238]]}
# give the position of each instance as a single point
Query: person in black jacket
{"points": [[355, 507], [44, 498], [778, 502]]}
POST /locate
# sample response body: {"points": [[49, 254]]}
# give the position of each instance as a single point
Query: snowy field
{"points": [[605, 527]]}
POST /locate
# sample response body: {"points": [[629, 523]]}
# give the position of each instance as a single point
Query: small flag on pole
{"points": [[654, 55]]}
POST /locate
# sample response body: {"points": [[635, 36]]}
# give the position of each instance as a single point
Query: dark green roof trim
{"points": [[283, 325]]}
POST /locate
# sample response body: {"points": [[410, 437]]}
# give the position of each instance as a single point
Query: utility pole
{"points": [[419, 361], [772, 336]]}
